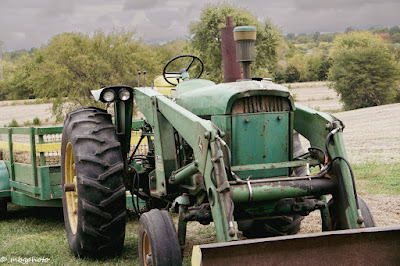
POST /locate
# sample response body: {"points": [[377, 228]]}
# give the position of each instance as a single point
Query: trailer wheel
{"points": [[158, 240], [94, 203], [3, 207], [365, 212]]}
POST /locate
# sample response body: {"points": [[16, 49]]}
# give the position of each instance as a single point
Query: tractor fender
{"points": [[4, 178]]}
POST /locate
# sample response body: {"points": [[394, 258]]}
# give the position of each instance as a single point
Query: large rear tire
{"points": [[94, 204], [158, 240]]}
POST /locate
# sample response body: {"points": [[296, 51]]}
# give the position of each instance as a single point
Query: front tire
{"points": [[92, 167], [281, 226], [365, 212], [158, 240]]}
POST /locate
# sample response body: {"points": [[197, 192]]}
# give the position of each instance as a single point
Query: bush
{"points": [[13, 123], [364, 72], [36, 121]]}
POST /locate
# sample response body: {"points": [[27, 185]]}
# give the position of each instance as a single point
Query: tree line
{"points": [[362, 65]]}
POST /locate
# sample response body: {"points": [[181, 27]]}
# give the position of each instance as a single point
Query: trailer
{"points": [[30, 171]]}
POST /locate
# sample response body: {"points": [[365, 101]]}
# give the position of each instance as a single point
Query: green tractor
{"points": [[228, 154]]}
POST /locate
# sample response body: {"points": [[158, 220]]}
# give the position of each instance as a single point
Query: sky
{"points": [[32, 23]]}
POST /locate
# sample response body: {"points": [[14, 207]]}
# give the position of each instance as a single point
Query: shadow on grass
{"points": [[44, 214]]}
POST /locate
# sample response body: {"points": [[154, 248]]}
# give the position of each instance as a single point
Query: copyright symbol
{"points": [[3, 259]]}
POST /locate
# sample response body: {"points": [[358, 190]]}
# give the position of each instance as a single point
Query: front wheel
{"points": [[365, 212], [158, 240], [280, 226], [94, 203]]}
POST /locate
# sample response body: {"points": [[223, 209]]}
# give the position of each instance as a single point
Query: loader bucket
{"points": [[366, 246]]}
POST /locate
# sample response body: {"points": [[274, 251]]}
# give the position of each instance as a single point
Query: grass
{"points": [[35, 122], [38, 233], [33, 232], [376, 178], [30, 232], [37, 101]]}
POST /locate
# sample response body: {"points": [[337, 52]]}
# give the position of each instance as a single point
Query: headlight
{"points": [[109, 96], [124, 94]]}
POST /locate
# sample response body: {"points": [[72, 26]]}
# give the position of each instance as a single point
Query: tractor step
{"points": [[365, 246]]}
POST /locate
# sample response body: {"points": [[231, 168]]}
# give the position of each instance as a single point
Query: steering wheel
{"points": [[186, 69]]}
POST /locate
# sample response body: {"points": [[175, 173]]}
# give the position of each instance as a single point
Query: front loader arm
{"points": [[316, 126], [203, 137]]}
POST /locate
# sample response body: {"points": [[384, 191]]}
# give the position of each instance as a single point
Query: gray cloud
{"points": [[146, 4], [27, 23]]}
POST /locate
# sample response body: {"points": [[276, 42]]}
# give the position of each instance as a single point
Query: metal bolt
{"points": [[279, 117], [246, 120], [215, 159]]}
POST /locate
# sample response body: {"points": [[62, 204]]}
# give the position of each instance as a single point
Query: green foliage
{"points": [[363, 71], [169, 50], [72, 64], [36, 121], [205, 40], [13, 123], [16, 79]]}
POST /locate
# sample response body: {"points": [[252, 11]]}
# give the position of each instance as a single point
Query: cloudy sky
{"points": [[31, 23]]}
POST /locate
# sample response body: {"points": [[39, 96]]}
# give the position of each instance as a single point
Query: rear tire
{"points": [[365, 212], [95, 207], [158, 240]]}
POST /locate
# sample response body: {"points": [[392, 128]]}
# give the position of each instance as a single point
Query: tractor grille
{"points": [[259, 104]]}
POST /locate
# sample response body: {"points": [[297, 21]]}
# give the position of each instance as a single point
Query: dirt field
{"points": [[21, 112], [316, 95], [370, 135]]}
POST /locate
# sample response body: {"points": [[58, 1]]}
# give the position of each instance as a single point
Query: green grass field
{"points": [[39, 232]]}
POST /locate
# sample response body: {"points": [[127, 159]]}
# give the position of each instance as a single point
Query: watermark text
{"points": [[24, 260]]}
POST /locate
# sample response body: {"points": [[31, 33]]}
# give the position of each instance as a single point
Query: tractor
{"points": [[228, 154]]}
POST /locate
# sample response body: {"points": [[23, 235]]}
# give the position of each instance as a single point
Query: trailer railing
{"points": [[32, 156]]}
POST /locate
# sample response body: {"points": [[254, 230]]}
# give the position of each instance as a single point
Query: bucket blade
{"points": [[366, 246]]}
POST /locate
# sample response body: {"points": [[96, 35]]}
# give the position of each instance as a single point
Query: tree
{"points": [[296, 68], [396, 37], [169, 50], [313, 67], [363, 70], [205, 38], [72, 64], [290, 36]]}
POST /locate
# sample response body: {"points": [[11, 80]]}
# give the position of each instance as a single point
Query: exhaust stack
{"points": [[230, 65], [245, 38]]}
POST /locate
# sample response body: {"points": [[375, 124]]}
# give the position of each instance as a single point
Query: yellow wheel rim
{"points": [[146, 250], [71, 196]]}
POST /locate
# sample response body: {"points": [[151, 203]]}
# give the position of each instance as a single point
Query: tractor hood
{"points": [[218, 99]]}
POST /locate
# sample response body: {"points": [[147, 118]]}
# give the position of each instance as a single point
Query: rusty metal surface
{"points": [[367, 246], [230, 66], [261, 103]]}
